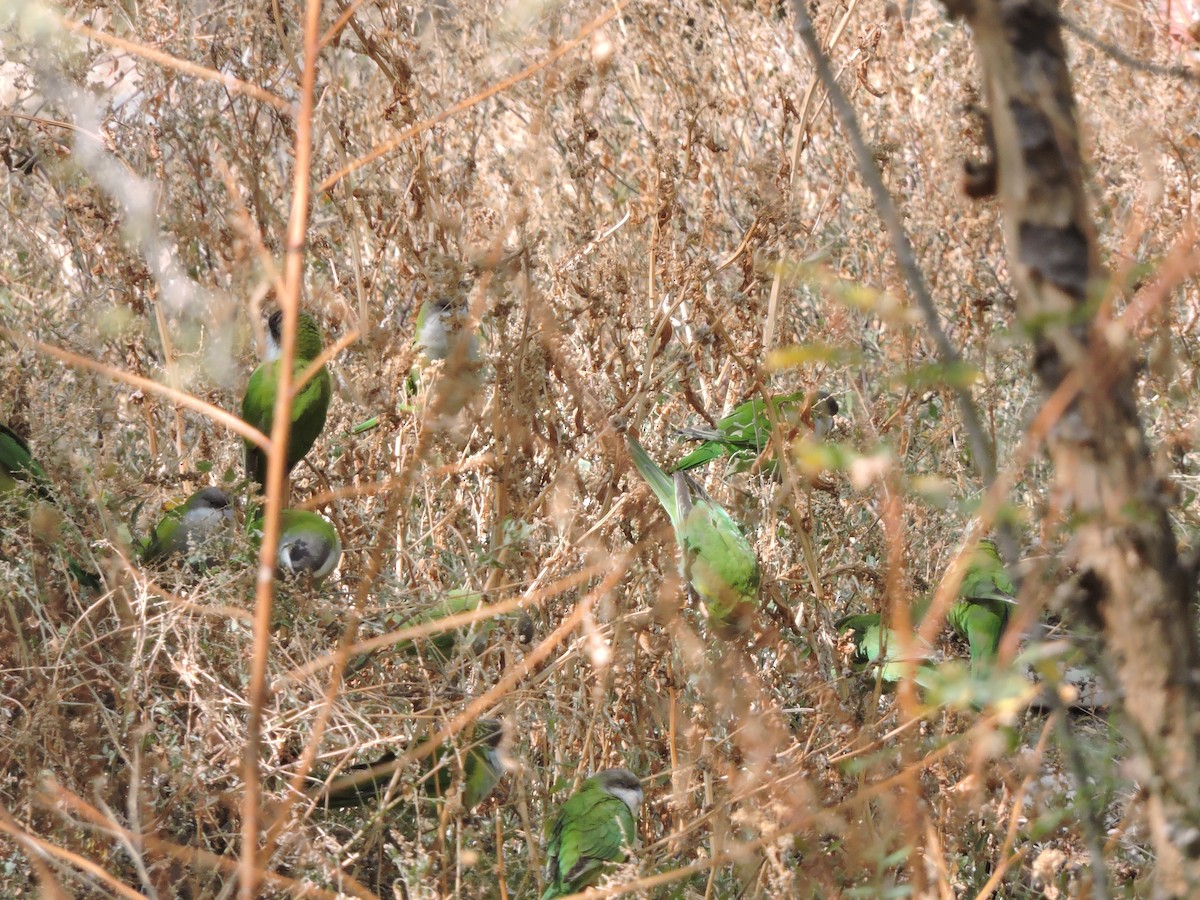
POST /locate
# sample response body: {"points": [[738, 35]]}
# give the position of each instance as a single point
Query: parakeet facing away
{"points": [[308, 546], [593, 829], [309, 407], [191, 525], [18, 468], [718, 562], [743, 434], [481, 770], [986, 599]]}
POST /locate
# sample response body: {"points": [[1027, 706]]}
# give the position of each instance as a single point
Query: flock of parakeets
{"points": [[308, 546], [595, 826]]}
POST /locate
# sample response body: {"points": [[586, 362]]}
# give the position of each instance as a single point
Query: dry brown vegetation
{"points": [[634, 225]]}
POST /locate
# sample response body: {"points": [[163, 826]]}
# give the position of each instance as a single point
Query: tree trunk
{"points": [[1133, 584]]}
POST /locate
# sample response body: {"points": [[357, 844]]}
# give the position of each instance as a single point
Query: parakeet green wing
{"points": [[986, 577], [310, 406], [18, 467], [592, 830], [718, 562], [985, 602], [877, 645], [743, 434], [482, 768]]}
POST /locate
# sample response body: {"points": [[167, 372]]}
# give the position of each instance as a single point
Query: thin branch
{"points": [[501, 86], [276, 486], [229, 82], [948, 354]]}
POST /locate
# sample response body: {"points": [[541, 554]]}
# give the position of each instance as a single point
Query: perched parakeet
{"points": [[480, 772], [18, 468], [436, 329], [309, 406], [986, 599], [308, 543], [593, 829], [718, 562], [443, 646], [876, 646], [482, 767], [21, 474], [190, 526], [743, 434]]}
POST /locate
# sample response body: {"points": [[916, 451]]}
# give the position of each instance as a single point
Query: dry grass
{"points": [[618, 223]]}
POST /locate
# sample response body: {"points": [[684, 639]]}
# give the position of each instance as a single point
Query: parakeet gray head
{"points": [[822, 410], [208, 500], [274, 336], [433, 333], [623, 785], [309, 553]]}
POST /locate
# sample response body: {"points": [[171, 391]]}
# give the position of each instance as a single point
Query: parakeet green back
{"points": [[593, 829], [985, 602], [309, 407], [878, 646], [18, 467], [718, 562], [482, 767], [743, 434]]}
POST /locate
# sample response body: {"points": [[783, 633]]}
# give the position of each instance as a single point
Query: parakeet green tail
{"points": [[718, 562]]}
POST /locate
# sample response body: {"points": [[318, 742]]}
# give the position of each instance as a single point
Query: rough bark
{"points": [[1134, 586]]}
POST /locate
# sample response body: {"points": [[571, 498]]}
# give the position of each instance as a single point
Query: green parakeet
{"points": [[443, 646], [190, 526], [876, 646], [18, 468], [718, 562], [986, 599], [309, 407], [21, 474], [593, 829], [476, 766], [743, 434], [481, 766], [308, 543]]}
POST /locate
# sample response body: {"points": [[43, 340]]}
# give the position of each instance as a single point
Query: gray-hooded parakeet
{"points": [[190, 526], [593, 830], [309, 406], [476, 766], [718, 562], [742, 435], [309, 545]]}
